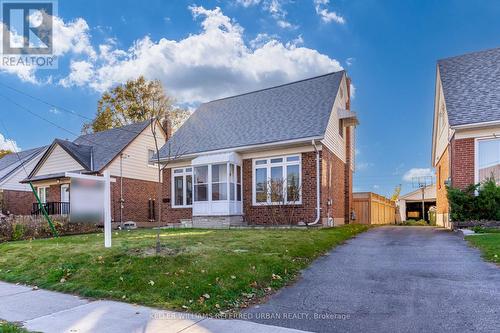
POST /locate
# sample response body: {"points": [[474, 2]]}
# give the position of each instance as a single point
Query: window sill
{"points": [[177, 207]]}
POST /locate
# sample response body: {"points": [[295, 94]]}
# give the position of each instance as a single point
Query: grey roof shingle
{"points": [[471, 86], [12, 162], [106, 145], [94, 151], [291, 111]]}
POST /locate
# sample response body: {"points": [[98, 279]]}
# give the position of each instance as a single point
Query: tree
{"points": [[4, 152], [135, 101]]}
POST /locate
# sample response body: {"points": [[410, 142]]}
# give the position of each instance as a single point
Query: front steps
{"points": [[218, 222]]}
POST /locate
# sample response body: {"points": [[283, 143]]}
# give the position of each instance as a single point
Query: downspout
{"points": [[317, 185]]}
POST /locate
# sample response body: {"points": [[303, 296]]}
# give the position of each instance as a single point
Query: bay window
{"points": [[488, 160], [219, 182], [201, 183], [277, 179], [182, 187]]}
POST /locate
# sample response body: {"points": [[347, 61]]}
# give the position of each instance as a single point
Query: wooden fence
{"points": [[372, 208]]}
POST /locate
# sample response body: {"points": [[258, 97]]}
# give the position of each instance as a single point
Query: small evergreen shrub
{"points": [[476, 202]]}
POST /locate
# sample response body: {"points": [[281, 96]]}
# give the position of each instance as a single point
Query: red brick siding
{"points": [[136, 194], [442, 174], [18, 202], [348, 174], [305, 212], [462, 162], [333, 185], [54, 194], [169, 214]]}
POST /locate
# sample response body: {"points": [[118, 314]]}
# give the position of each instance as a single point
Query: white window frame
{"points": [[45, 188], [151, 164], [182, 174], [476, 154], [268, 165]]}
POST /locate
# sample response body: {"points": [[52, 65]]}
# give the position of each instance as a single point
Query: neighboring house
{"points": [[16, 198], [466, 132], [221, 161], [126, 152], [410, 204]]}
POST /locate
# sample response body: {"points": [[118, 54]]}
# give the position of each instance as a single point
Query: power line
{"points": [[62, 108], [50, 122]]}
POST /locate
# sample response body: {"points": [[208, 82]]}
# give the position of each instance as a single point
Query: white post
{"points": [[107, 209]]}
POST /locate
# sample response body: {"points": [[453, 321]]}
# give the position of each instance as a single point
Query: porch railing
{"points": [[52, 208]]}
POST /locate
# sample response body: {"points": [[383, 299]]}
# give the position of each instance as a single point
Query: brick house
{"points": [[290, 146], [126, 152], [466, 142], [16, 198]]}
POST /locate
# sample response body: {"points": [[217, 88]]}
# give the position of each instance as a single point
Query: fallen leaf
{"points": [[207, 296], [217, 305], [62, 280], [151, 282], [233, 277]]}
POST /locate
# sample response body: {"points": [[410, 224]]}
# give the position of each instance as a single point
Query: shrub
{"points": [[27, 227], [18, 231], [476, 202]]}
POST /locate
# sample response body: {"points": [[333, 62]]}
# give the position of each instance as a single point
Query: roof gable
{"points": [[106, 145], [471, 87], [15, 161], [292, 111]]}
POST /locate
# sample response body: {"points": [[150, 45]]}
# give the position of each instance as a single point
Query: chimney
{"points": [[167, 127]]}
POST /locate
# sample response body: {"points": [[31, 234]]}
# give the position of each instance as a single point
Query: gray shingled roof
{"points": [[292, 111], [106, 145], [12, 162], [471, 86], [94, 151]]}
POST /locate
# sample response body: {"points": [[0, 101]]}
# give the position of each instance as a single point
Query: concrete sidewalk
{"points": [[47, 311]]}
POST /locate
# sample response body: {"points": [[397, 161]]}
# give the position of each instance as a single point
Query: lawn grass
{"points": [[207, 271], [489, 244]]}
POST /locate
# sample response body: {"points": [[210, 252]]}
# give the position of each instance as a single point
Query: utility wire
{"points": [[64, 109], [22, 107]]}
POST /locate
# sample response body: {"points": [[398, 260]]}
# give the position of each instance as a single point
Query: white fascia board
{"points": [[246, 148]]}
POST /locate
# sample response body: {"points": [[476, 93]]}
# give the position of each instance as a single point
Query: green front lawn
{"points": [[203, 271], [489, 244]]}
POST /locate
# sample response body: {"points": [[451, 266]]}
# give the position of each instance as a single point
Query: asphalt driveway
{"points": [[392, 279]]}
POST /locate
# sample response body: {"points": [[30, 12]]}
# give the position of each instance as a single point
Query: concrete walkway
{"points": [[47, 311], [392, 279]]}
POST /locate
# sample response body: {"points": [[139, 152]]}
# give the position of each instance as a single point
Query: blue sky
{"points": [[208, 49]]}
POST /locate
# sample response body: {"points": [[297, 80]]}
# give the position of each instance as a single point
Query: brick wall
{"points": [[169, 214], [136, 194], [54, 194], [442, 174], [333, 186], [462, 162], [305, 212], [18, 202]]}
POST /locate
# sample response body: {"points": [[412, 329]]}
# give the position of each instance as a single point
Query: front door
{"points": [[64, 199]]}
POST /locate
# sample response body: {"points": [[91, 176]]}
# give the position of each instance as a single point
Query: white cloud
{"points": [[248, 3], [69, 37], [326, 15], [54, 111], [349, 61], [413, 173], [8, 144], [215, 62], [363, 166]]}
